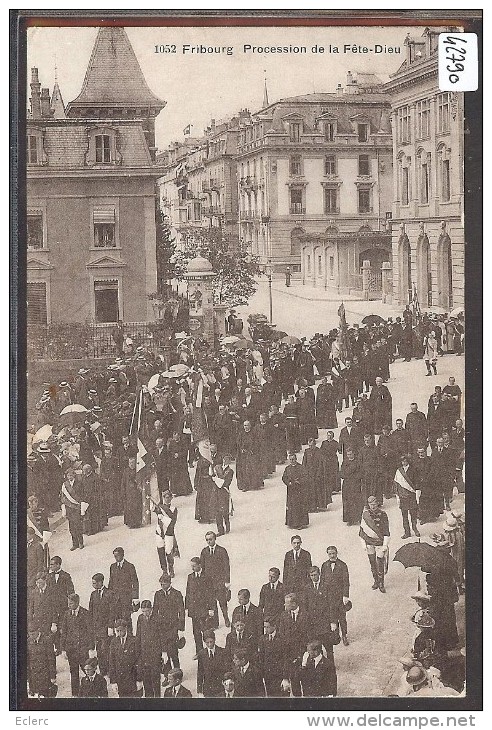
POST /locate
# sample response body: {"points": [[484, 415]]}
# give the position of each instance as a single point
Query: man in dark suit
{"points": [[317, 604], [93, 684], [215, 564], [350, 438], [61, 585], [272, 595], [247, 678], [161, 461], [200, 601], [150, 646], [123, 581], [41, 607], [169, 606], [36, 562], [336, 583], [76, 639], [123, 658], [212, 665], [318, 673], [294, 631], [240, 638], [271, 658], [296, 567], [406, 486], [175, 688], [103, 611], [249, 613]]}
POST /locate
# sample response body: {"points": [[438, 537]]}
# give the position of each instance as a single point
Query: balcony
{"points": [[211, 210], [247, 183], [215, 183], [297, 209]]}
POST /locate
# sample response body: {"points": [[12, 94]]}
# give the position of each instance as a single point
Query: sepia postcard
{"points": [[246, 249]]}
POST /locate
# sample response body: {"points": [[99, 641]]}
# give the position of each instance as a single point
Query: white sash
{"points": [[69, 496], [368, 530], [402, 481]]}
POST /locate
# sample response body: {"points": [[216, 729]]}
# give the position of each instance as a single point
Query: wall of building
{"points": [[68, 203]]}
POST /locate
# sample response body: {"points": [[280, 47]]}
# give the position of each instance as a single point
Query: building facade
{"points": [[428, 135], [313, 169], [91, 174], [199, 185]]}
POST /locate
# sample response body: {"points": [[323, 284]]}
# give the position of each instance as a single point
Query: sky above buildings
{"points": [[200, 86]]}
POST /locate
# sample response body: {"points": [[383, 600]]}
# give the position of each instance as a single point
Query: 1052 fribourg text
{"points": [[190, 50]]}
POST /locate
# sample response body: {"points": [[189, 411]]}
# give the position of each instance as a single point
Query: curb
{"points": [[338, 298]]}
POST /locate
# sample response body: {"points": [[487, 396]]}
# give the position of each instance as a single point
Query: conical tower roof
{"points": [[114, 78], [57, 105]]}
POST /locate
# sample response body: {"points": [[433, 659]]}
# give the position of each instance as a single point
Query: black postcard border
{"points": [[18, 699]]}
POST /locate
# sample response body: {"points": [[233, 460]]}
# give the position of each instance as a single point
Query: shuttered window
{"points": [[37, 311], [104, 226]]}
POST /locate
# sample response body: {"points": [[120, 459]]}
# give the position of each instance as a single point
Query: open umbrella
{"points": [[74, 408], [230, 339], [278, 335], [180, 369], [426, 557], [153, 382], [289, 340], [371, 319], [42, 434], [457, 312], [243, 345]]}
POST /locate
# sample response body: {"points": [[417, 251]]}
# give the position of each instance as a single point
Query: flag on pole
{"points": [[187, 129], [343, 330], [416, 312], [144, 463]]}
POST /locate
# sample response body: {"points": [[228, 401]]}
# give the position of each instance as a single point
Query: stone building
{"points": [[91, 174], [427, 225], [199, 185], [314, 171]]}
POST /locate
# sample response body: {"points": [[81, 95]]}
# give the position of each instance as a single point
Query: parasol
{"points": [[278, 335], [180, 369], [243, 345], [74, 408], [42, 434], [426, 557], [74, 413], [371, 319], [289, 340], [457, 312], [230, 339], [153, 382]]}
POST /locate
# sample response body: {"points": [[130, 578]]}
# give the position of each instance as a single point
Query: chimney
{"points": [[45, 103], [351, 81], [35, 94], [339, 89]]}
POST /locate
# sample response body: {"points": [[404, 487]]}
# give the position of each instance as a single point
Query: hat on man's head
{"points": [[83, 371], [450, 524], [416, 676], [424, 620], [43, 448]]}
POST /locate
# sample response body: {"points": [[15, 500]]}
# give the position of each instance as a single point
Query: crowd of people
{"points": [[254, 407]]}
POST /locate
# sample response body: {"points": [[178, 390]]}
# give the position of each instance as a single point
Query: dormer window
{"points": [[295, 131], [103, 148], [362, 132], [32, 150], [329, 131]]}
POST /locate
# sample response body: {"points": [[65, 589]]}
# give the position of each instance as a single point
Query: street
{"points": [[379, 625]]}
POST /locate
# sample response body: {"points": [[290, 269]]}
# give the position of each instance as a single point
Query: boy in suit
{"points": [[123, 658], [212, 665], [318, 673], [296, 566], [76, 639], [249, 613], [272, 595], [215, 563], [123, 581], [271, 657], [239, 638], [93, 684], [200, 601], [103, 611], [336, 582], [247, 678], [175, 688]]}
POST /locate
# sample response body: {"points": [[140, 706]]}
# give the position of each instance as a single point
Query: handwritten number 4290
{"points": [[456, 56]]}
